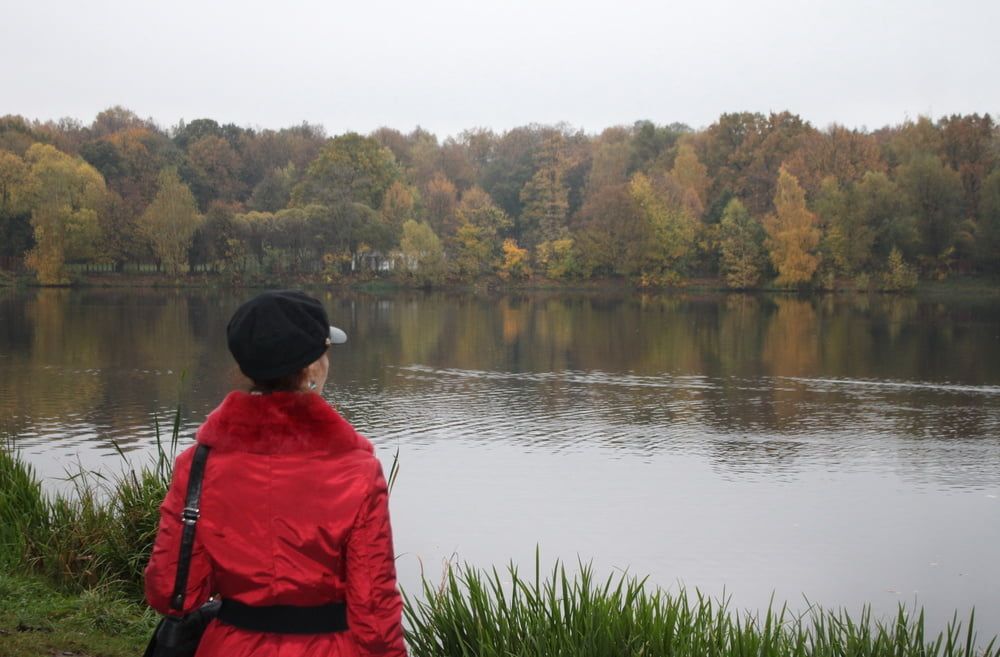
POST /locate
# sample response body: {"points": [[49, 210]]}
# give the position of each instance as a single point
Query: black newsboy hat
{"points": [[279, 333]]}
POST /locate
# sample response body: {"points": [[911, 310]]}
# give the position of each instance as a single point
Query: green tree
{"points": [[350, 168], [742, 246], [934, 198], [558, 258], [423, 255], [881, 207], [988, 227], [792, 235], [609, 160], [471, 252], [478, 209], [670, 228], [170, 222], [65, 194], [274, 190], [849, 237], [15, 227], [545, 197], [613, 234], [512, 161], [120, 238], [476, 245], [898, 276], [213, 170]]}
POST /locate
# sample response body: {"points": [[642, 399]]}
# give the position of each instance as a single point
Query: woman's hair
{"points": [[288, 383]]}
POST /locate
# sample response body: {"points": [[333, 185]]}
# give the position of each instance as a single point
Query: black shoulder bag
{"points": [[179, 636]]}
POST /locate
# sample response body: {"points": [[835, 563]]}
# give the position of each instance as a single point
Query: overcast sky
{"points": [[448, 65]]}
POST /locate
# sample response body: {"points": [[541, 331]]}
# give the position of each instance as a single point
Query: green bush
{"points": [[898, 276]]}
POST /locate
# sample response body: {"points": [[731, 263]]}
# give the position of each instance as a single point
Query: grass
{"points": [[486, 614], [100, 535], [78, 561], [39, 620]]}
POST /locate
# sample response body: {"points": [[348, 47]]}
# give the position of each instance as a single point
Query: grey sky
{"points": [[448, 65]]}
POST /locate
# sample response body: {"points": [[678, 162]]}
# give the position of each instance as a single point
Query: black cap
{"points": [[279, 333]]}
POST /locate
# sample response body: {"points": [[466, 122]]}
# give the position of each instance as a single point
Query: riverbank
{"points": [[39, 620], [474, 614], [963, 286]]}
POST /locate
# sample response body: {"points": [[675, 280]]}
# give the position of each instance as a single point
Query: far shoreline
{"points": [[983, 286]]}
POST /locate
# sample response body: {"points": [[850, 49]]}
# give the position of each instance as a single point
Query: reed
{"points": [[100, 534], [477, 613]]}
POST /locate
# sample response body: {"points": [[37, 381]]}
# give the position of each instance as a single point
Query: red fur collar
{"points": [[279, 423]]}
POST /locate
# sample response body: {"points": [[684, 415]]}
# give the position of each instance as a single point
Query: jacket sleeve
{"points": [[162, 568], [374, 605]]}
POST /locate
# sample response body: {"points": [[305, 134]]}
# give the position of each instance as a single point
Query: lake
{"points": [[840, 450]]}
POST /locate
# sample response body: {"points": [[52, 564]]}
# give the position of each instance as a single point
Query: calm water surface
{"points": [[840, 449]]}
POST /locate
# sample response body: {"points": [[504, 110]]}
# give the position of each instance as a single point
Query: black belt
{"points": [[285, 619]]}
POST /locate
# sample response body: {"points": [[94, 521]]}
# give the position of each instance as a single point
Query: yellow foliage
{"points": [[515, 262], [170, 221], [557, 258], [64, 193], [671, 229], [792, 233], [691, 174]]}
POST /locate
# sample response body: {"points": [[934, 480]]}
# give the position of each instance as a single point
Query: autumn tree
{"points": [[650, 142], [515, 264], [613, 233], [350, 168], [670, 231], [476, 244], [64, 195], [511, 166], [170, 222], [274, 190], [119, 119], [609, 160], [16, 134], [423, 254], [690, 173], [792, 235], [967, 147], [15, 227], [213, 170], [440, 199], [424, 156], [120, 239], [398, 205], [741, 243], [911, 140], [478, 209], [838, 152], [545, 197]]}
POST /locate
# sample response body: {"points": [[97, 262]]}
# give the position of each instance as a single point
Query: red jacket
{"points": [[294, 511]]}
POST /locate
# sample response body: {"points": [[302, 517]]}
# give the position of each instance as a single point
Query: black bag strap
{"points": [[189, 516]]}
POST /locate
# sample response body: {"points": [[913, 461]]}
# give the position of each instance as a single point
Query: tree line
{"points": [[753, 199]]}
